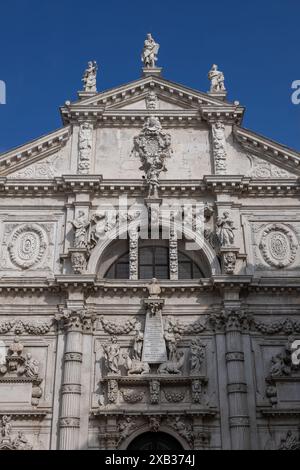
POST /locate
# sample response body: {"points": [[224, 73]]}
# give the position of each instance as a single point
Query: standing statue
{"points": [[216, 79], [150, 51], [138, 342], [80, 225], [90, 77], [225, 230], [6, 426], [172, 340], [197, 350], [112, 356]]}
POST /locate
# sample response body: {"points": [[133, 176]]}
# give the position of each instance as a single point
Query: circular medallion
{"points": [[27, 245], [278, 245]]}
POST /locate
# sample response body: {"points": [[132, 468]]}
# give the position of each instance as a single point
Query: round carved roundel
{"points": [[278, 245], [27, 245]]}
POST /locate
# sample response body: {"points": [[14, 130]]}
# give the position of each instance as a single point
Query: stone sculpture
{"points": [[216, 78], [90, 77], [150, 51]]}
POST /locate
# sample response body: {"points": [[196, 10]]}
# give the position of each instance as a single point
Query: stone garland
{"points": [[117, 328], [19, 327]]}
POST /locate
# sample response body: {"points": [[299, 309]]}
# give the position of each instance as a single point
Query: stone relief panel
{"points": [[260, 168], [28, 245], [114, 157], [271, 244], [26, 372], [47, 168]]}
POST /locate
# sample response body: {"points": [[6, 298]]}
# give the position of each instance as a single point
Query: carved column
{"points": [[133, 254], [173, 255], [75, 322], [239, 423], [85, 145], [219, 147]]}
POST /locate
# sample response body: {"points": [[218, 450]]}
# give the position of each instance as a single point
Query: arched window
{"points": [[119, 269], [154, 262]]}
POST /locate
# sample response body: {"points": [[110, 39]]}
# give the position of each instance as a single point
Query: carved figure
{"points": [[90, 77], [80, 225], [216, 78], [172, 367], [112, 356], [150, 51]]}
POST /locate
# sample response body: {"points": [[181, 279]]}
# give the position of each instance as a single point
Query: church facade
{"points": [[149, 275]]}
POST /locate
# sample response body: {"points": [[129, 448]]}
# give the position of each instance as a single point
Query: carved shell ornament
{"points": [[27, 245], [278, 245]]}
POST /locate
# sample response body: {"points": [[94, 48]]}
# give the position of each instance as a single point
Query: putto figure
{"points": [[90, 77], [150, 51], [216, 78]]}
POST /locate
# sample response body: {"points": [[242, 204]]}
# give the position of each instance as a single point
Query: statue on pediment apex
{"points": [[150, 51]]}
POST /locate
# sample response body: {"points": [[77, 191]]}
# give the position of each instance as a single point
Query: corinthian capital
{"points": [[81, 320]]}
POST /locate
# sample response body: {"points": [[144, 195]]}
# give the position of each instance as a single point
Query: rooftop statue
{"points": [[90, 77], [216, 78], [150, 51]]}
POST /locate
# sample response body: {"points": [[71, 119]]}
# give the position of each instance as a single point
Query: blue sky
{"points": [[46, 45]]}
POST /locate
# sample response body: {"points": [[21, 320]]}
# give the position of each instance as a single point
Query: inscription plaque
{"points": [[154, 348]]}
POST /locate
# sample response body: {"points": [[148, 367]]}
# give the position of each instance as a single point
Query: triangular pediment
{"points": [[131, 98], [41, 158], [268, 159]]}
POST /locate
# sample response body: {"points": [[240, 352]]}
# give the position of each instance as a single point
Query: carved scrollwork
{"points": [[278, 245], [27, 246]]}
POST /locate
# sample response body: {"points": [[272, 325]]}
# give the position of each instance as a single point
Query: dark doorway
{"points": [[154, 441]]}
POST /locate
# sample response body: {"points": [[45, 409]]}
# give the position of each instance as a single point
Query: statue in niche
{"points": [[90, 77], [154, 289], [6, 426], [216, 78], [225, 230], [172, 340], [112, 356], [197, 351], [138, 342], [150, 51], [81, 224], [31, 366]]}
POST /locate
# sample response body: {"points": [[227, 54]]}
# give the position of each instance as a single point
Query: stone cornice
{"points": [[89, 281], [33, 151], [102, 106], [94, 184], [258, 144]]}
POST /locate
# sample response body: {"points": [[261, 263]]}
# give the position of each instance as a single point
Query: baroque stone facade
{"points": [[150, 262]]}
